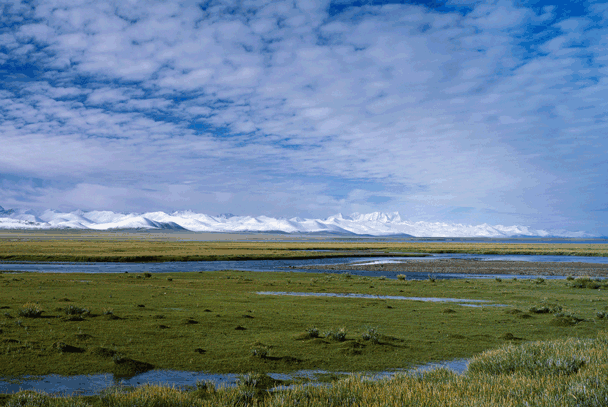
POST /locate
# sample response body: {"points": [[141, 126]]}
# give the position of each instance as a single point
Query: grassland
{"points": [[563, 373], [214, 321], [81, 247]]}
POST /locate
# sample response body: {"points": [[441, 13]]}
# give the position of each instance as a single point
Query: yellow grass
{"points": [[588, 386], [90, 247]]}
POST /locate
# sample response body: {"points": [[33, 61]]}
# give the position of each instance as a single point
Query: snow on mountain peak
{"points": [[376, 217], [375, 224]]}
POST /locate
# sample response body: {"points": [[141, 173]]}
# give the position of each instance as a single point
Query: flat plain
{"points": [[216, 321], [124, 323], [87, 246]]}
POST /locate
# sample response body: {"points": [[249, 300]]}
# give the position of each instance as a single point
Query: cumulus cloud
{"points": [[261, 106]]}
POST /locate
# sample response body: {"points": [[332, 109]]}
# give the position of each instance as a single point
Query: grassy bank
{"points": [[85, 248], [555, 249], [214, 321], [571, 372]]}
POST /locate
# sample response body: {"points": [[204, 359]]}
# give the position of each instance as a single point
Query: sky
{"points": [[459, 111]]}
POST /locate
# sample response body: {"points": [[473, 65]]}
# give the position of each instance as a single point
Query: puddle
{"points": [[483, 305], [88, 385], [459, 301]]}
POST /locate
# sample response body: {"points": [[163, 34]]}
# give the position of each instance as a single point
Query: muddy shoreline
{"points": [[458, 266]]}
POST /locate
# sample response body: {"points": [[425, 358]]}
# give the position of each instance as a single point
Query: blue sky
{"points": [[457, 111]]}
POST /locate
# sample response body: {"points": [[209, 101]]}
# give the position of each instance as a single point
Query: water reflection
{"points": [[94, 384]]}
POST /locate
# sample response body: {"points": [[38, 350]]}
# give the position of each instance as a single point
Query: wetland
{"points": [[375, 318], [216, 322]]}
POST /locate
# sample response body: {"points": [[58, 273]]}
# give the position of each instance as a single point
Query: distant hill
{"points": [[370, 224]]}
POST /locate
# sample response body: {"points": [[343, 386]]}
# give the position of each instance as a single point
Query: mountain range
{"points": [[373, 224]]}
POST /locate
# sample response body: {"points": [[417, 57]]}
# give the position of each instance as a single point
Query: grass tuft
{"points": [[30, 310], [260, 352], [546, 309], [371, 334], [74, 310], [312, 332], [338, 336]]}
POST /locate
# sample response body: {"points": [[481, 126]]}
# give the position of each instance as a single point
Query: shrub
{"points": [[259, 352], [74, 310], [107, 311], [371, 335], [498, 279], [546, 309], [205, 385], [30, 310], [65, 348], [602, 315], [147, 275], [254, 384], [249, 379], [585, 282], [203, 389], [312, 332], [401, 277], [339, 335], [118, 358], [61, 346]]}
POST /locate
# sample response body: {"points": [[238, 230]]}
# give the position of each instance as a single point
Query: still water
{"points": [[94, 384], [460, 301]]}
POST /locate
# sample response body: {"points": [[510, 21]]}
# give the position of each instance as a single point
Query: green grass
{"points": [[212, 321]]}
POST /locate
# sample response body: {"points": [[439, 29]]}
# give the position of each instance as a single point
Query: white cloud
{"points": [[454, 108], [101, 96]]}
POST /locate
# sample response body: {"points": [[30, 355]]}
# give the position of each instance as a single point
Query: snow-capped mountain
{"points": [[375, 224]]}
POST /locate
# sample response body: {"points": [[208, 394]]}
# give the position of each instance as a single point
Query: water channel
{"points": [[290, 265]]}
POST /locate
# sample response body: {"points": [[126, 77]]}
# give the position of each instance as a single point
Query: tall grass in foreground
{"points": [[572, 372]]}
